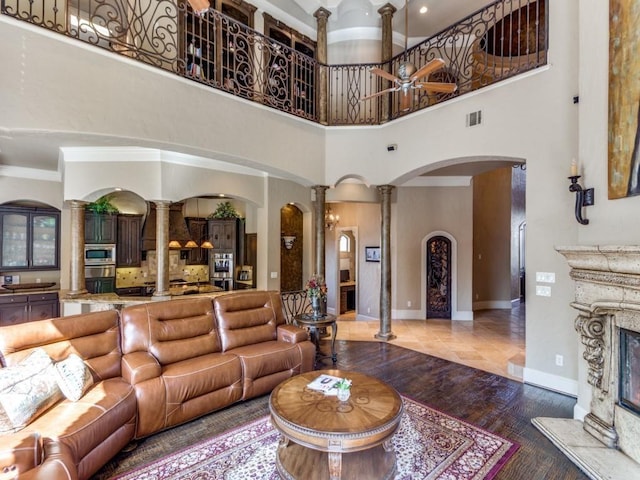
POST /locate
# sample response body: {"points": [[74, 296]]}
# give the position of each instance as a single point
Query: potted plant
{"points": [[344, 389], [224, 211], [102, 206]]}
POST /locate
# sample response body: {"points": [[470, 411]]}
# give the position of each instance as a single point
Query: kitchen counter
{"points": [[28, 291]]}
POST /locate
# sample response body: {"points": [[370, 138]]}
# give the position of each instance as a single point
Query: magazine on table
{"points": [[326, 384]]}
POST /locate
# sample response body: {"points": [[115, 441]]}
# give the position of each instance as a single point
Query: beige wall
{"points": [[492, 239]]}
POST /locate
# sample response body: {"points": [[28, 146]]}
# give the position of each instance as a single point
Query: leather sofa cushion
{"points": [[265, 359], [85, 424], [249, 318], [93, 336], [171, 331]]}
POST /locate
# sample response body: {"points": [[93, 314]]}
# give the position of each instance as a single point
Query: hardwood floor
{"points": [[488, 400]]}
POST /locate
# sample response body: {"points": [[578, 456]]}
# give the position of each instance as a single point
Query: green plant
{"points": [[224, 210], [344, 384], [102, 205]]}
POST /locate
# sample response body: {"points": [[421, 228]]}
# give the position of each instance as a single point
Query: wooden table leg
{"points": [[335, 465]]}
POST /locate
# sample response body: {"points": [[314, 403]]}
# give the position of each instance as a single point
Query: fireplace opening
{"points": [[630, 370]]}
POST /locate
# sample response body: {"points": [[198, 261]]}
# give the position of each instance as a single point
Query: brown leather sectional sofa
{"points": [[154, 366]]}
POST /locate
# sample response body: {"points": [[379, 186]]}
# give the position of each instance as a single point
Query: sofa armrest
{"points": [[291, 334], [25, 457], [140, 366]]}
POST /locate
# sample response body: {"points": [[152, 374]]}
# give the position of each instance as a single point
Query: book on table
{"points": [[326, 384]]}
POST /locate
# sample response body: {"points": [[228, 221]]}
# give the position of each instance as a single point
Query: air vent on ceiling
{"points": [[474, 118]]}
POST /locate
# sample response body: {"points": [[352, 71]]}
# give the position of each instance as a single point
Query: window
{"points": [[345, 243]]}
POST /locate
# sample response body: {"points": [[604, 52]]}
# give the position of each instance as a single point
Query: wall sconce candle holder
{"points": [[288, 241], [584, 198]]}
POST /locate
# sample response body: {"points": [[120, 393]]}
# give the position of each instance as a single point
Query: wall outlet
{"points": [[543, 291], [368, 309], [559, 360], [408, 303], [274, 274]]}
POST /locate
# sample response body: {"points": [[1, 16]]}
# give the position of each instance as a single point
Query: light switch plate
{"points": [[543, 291], [274, 274], [545, 277]]}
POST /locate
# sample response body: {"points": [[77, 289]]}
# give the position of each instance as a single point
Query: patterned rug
{"points": [[429, 445]]}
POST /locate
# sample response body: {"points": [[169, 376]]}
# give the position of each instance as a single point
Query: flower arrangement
{"points": [[316, 287]]}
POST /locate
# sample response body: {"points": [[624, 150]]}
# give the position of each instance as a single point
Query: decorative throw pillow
{"points": [[26, 390], [73, 376]]}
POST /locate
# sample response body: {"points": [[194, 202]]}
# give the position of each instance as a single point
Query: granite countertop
{"points": [[114, 299], [28, 291]]}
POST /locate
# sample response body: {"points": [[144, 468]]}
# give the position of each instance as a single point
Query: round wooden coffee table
{"points": [[323, 437]]}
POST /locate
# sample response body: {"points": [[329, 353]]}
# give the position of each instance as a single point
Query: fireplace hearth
{"points": [[602, 438]]}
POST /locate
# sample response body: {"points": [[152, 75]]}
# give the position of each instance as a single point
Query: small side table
{"points": [[314, 324]]}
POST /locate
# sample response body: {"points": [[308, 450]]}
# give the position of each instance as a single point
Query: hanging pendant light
{"points": [[206, 244]]}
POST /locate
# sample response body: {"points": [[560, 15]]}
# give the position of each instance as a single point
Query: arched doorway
{"points": [[439, 265]]}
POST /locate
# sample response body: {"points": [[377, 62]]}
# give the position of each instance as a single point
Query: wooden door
{"points": [[438, 277]]}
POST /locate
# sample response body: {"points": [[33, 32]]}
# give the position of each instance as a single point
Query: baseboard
{"points": [[551, 382], [579, 413], [463, 315], [492, 304]]}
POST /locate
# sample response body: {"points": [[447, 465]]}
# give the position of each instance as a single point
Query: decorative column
{"points": [[322, 15], [318, 216], [162, 249], [385, 263], [386, 12], [78, 286]]}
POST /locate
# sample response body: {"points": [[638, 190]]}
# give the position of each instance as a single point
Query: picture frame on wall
{"points": [[372, 254]]}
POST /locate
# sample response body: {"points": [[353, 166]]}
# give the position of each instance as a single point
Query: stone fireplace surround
{"points": [[606, 443]]}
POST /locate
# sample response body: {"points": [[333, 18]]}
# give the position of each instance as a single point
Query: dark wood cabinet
{"points": [[198, 229], [100, 228], [29, 238], [223, 235], [128, 245], [16, 309], [101, 284]]}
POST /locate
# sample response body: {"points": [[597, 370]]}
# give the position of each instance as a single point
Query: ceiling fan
{"points": [[406, 80]]}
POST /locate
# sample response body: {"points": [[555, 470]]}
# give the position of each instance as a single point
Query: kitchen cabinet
{"points": [[128, 244], [198, 228], [16, 309], [100, 228], [222, 233], [100, 284], [30, 239]]}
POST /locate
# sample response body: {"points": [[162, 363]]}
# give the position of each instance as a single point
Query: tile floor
{"points": [[494, 341]]}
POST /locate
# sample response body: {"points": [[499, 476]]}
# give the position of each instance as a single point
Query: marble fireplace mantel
{"points": [[607, 297]]}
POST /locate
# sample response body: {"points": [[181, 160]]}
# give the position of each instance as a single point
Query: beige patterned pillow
{"points": [[73, 376], [26, 390]]}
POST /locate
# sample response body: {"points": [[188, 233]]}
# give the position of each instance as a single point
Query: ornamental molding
{"points": [[606, 278], [591, 330]]}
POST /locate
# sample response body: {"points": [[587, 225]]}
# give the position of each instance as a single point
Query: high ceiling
{"points": [[40, 151]]}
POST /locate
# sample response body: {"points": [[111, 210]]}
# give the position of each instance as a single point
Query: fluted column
{"points": [[322, 15], [162, 248], [78, 286], [385, 263], [318, 216], [386, 12]]}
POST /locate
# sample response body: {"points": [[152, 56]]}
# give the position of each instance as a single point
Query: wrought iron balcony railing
{"points": [[504, 39]]}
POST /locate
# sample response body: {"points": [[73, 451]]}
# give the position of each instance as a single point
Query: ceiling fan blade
{"points": [[377, 94], [406, 97], [384, 74], [437, 87], [432, 66]]}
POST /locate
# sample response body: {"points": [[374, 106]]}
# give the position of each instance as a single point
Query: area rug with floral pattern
{"points": [[429, 444]]}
